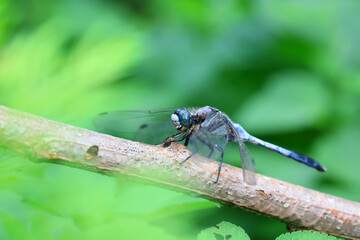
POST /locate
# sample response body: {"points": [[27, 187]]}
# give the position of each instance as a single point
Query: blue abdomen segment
{"points": [[287, 153], [307, 160]]}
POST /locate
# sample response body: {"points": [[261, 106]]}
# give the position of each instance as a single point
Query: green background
{"points": [[288, 71]]}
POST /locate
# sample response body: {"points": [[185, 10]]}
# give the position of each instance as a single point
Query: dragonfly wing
{"points": [[248, 164], [207, 145], [145, 126], [218, 129], [211, 138]]}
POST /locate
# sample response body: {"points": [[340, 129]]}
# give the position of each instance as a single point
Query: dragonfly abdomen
{"points": [[307, 160], [287, 153]]}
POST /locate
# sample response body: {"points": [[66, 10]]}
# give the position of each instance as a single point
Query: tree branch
{"points": [[298, 207]]}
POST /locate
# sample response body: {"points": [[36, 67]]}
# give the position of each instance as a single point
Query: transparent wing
{"points": [[218, 129], [248, 164], [145, 126], [212, 137], [207, 145]]}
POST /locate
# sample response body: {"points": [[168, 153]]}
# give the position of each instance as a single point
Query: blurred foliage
{"points": [[226, 230], [287, 71], [306, 235], [223, 230]]}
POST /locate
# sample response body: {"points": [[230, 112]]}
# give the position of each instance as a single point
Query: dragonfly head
{"points": [[181, 119]]}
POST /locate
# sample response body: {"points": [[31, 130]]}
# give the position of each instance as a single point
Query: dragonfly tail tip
{"points": [[321, 168]]}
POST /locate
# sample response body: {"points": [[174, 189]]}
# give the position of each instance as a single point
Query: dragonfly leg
{"points": [[167, 141], [187, 135], [209, 144], [193, 153], [187, 141], [221, 161], [212, 146], [211, 151]]}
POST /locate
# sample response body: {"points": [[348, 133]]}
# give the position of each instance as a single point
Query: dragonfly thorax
{"points": [[181, 119]]}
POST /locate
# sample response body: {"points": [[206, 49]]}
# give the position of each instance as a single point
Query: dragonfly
{"points": [[205, 129]]}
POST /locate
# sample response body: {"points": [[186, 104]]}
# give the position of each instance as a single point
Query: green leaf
{"points": [[223, 230], [305, 235], [340, 148], [291, 100]]}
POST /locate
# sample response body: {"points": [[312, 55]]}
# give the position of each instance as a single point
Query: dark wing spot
{"points": [[143, 126]]}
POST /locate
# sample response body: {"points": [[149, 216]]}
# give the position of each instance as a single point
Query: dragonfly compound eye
{"points": [[181, 119], [184, 117]]}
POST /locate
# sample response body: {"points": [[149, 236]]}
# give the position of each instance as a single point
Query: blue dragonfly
{"points": [[205, 126]]}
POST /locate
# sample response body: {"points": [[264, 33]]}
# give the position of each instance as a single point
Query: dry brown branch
{"points": [[298, 207]]}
